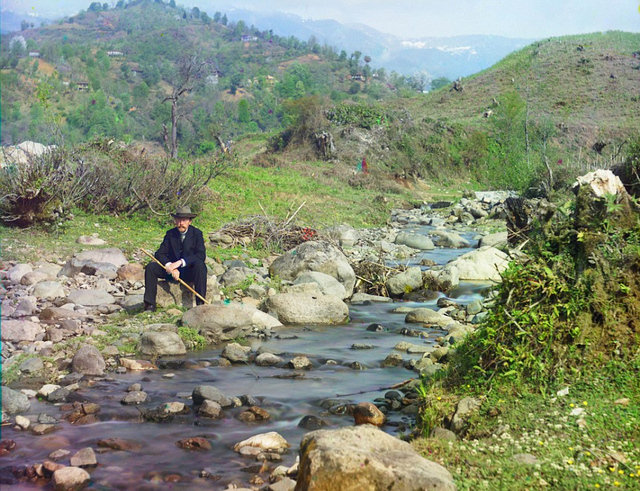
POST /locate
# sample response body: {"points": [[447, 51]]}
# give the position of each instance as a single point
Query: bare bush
{"points": [[103, 177]]}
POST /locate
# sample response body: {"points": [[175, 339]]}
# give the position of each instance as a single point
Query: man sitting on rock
{"points": [[182, 252]]}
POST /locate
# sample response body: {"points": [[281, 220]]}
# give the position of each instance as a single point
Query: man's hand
{"points": [[176, 274], [171, 267]]}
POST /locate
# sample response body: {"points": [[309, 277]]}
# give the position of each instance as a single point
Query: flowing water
{"points": [[287, 400]]}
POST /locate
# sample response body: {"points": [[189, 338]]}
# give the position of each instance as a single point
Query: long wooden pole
{"points": [[179, 279]]}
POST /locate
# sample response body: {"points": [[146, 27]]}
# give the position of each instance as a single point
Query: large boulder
{"points": [[222, 322], [445, 238], [328, 285], [301, 308], [404, 282], [315, 256], [484, 264], [415, 241], [174, 293], [20, 330], [365, 458]]}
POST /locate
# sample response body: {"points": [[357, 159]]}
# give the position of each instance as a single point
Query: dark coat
{"points": [[192, 247]]}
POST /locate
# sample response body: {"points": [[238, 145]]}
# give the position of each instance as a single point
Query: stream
{"points": [[287, 400]]}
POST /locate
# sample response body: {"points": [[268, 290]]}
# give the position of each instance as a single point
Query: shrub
{"points": [[103, 177]]}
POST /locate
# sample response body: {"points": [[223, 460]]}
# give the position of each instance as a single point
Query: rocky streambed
{"points": [[296, 356]]}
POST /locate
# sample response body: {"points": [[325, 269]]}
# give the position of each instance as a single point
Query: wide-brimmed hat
{"points": [[183, 212]]}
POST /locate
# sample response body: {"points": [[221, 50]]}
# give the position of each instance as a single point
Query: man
{"points": [[182, 253]]}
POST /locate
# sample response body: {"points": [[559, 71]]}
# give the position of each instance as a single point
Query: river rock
{"points": [[317, 256], [415, 241], [327, 285], [48, 290], [14, 402], [88, 361], [20, 330], [236, 353], [360, 298], [85, 457], [267, 442], [442, 280], [210, 409], [300, 363], [368, 413], [298, 308], [235, 276], [345, 235], [15, 273], [59, 313], [208, 392], [135, 397], [221, 322], [92, 240], [268, 360], [493, 240], [35, 277], [311, 422], [112, 256], [448, 239], [32, 365], [484, 264], [70, 479], [465, 408], [132, 272], [406, 281], [428, 316], [161, 343], [364, 457], [90, 298]]}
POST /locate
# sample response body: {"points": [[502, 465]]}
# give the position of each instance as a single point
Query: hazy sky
{"points": [[421, 18]]}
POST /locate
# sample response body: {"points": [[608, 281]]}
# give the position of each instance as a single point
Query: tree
{"points": [[95, 7], [172, 4], [216, 17], [224, 21], [204, 17], [189, 70], [195, 12], [439, 82], [24, 25]]}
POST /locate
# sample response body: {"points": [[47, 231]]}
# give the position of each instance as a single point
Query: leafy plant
{"points": [[192, 338]]}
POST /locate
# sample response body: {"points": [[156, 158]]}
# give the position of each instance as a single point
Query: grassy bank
{"points": [[579, 435], [325, 195]]}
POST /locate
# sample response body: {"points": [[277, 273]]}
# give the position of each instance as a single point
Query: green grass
{"points": [[587, 439], [326, 200]]}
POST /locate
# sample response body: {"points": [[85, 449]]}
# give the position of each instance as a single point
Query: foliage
{"points": [[359, 115], [103, 178], [191, 338], [571, 302]]}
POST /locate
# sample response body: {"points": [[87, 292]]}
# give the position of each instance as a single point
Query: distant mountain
{"points": [[12, 22], [450, 57]]}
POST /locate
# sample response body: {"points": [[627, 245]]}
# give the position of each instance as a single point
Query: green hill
{"points": [[549, 111]]}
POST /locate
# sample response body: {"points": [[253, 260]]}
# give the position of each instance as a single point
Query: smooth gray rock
{"points": [[327, 284], [208, 392], [236, 353], [415, 241], [220, 322], [48, 290], [484, 264], [364, 457], [493, 240], [268, 360], [315, 256], [70, 479], [14, 402], [445, 238], [31, 366], [404, 282], [297, 308], [91, 298], [234, 276], [161, 343]]}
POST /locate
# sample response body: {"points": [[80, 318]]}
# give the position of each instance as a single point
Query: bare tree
{"points": [[190, 69]]}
